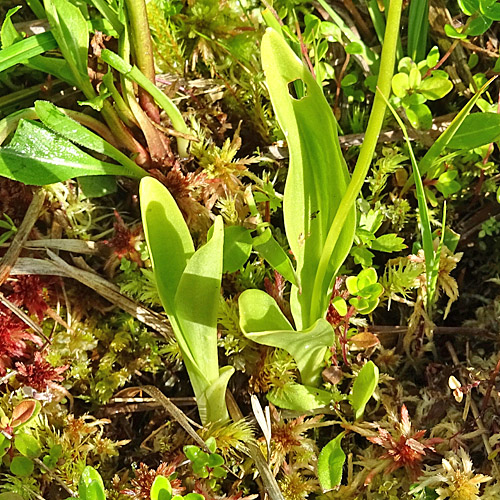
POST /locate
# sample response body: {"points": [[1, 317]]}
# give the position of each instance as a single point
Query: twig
{"points": [[12, 254], [54, 477], [110, 292]]}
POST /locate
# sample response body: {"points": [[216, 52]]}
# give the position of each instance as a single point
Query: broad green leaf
{"points": [[490, 8], [55, 119], [330, 463], [10, 496], [259, 312], [452, 32], [307, 347], [363, 388], [237, 247], [435, 87], [477, 129], [268, 248], [37, 156], [27, 445], [91, 486], [447, 184], [311, 199], [299, 397], [400, 84], [37, 8], [469, 7], [478, 25], [168, 238], [26, 49], [197, 300], [161, 489], [22, 466]]}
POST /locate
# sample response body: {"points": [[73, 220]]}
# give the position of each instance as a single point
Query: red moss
{"points": [[39, 374]]}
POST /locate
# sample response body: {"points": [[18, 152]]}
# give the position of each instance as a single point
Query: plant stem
{"points": [[143, 52], [365, 158]]}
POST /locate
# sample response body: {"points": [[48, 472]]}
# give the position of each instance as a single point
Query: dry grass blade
{"points": [[12, 254]]}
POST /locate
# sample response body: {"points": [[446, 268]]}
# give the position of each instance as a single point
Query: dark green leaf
{"points": [[96, 186], [22, 466], [477, 129]]}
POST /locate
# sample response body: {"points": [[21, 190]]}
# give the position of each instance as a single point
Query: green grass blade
{"points": [[134, 74], [418, 29], [368, 55], [442, 141], [21, 51], [37, 8]]}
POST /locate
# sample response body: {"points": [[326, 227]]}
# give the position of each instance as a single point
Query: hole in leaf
{"points": [[297, 89]]}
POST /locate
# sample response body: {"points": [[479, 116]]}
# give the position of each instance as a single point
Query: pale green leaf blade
{"points": [[37, 156], [299, 397], [307, 347], [168, 238], [317, 176], [274, 254], [197, 300], [330, 463], [364, 387], [259, 312], [212, 403]]}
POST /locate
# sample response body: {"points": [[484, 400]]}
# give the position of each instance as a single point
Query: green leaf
{"points": [[469, 7], [91, 486], [299, 397], [446, 183], [37, 156], [25, 49], [340, 305], [490, 8], [400, 84], [69, 28], [330, 463], [478, 26], [163, 222], [27, 445], [161, 489], [477, 129], [259, 312], [267, 246], [388, 243], [453, 32], [59, 122], [237, 247], [362, 256], [419, 116], [134, 74], [363, 388], [96, 186], [418, 28], [311, 200], [8, 34], [307, 347], [435, 87], [22, 466]]}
